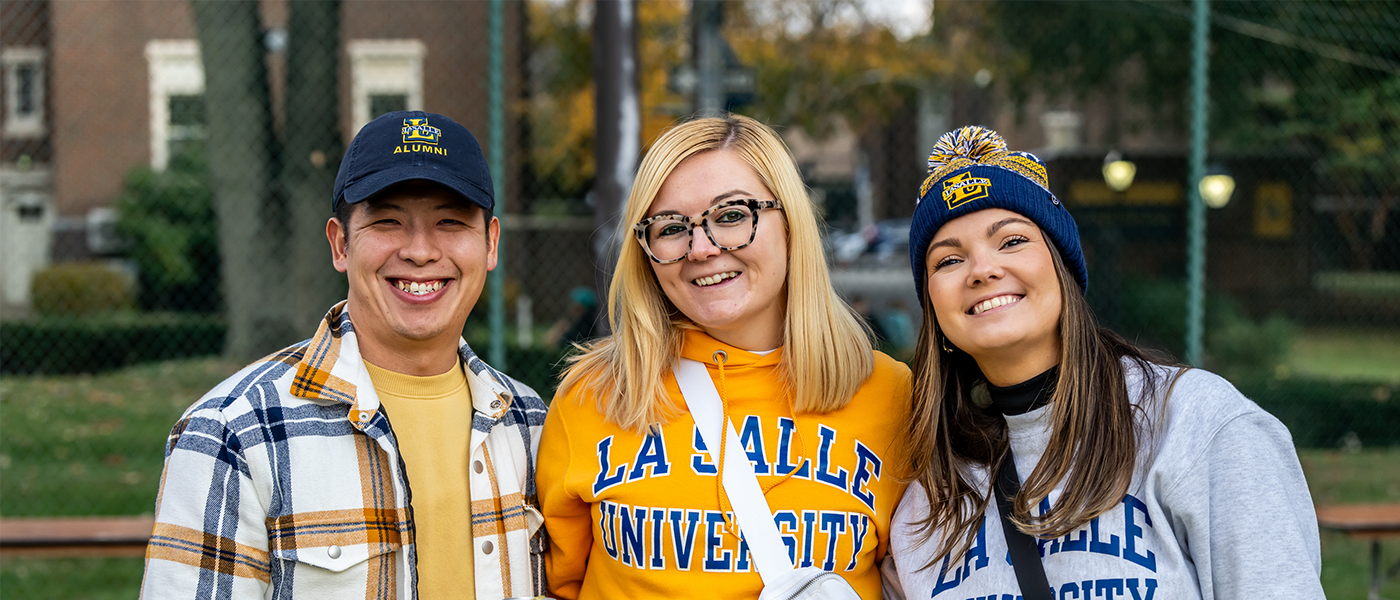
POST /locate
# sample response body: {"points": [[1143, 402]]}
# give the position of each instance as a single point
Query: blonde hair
{"points": [[826, 353]]}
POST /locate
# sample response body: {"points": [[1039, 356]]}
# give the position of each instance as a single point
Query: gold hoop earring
{"points": [[943, 343]]}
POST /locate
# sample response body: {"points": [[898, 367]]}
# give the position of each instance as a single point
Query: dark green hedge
{"points": [[87, 345], [1323, 414]]}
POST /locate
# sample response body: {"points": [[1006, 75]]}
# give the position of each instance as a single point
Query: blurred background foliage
{"points": [[167, 220]]}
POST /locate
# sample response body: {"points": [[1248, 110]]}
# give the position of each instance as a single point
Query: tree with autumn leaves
{"points": [[1309, 77], [818, 63]]}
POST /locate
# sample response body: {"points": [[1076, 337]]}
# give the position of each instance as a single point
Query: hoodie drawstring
{"points": [[720, 357]]}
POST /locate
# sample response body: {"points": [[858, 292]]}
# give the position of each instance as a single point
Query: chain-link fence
{"points": [[166, 171], [1302, 239]]}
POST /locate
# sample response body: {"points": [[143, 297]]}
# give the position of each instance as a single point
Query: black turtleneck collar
{"points": [[1026, 396]]}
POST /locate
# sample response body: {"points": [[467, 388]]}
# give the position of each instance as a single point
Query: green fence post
{"points": [[1195, 209]]}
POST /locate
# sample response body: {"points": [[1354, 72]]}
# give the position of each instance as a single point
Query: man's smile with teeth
{"points": [[716, 278], [417, 288], [991, 303]]}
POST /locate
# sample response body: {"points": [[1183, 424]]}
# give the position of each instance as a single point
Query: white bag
{"points": [[781, 580], [805, 583]]}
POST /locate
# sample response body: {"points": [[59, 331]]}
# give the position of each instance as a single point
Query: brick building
{"points": [[26, 148], [94, 89]]}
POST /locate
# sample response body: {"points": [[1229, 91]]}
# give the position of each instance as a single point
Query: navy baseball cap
{"points": [[405, 145]]}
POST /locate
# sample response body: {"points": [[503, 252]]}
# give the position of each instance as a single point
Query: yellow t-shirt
{"points": [[633, 516], [432, 421]]}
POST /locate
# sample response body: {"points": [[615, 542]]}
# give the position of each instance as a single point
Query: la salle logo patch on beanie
{"points": [[964, 188]]}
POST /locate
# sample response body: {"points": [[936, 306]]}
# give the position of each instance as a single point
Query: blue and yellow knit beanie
{"points": [[969, 170]]}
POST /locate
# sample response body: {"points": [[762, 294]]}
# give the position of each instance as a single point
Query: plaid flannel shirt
{"points": [[285, 481]]}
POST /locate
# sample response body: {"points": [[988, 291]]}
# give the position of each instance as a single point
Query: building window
{"points": [[386, 75], [387, 103], [186, 131], [177, 98], [24, 92]]}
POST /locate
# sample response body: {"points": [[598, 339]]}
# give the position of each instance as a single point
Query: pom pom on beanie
{"points": [[964, 146]]}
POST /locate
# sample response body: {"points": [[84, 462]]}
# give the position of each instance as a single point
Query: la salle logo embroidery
{"points": [[965, 188], [418, 130], [419, 136]]}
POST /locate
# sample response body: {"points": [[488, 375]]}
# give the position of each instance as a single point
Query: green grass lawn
{"points": [[1347, 354], [71, 578], [89, 445], [93, 445]]}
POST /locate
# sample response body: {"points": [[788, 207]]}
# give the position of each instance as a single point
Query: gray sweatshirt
{"points": [[1219, 510]]}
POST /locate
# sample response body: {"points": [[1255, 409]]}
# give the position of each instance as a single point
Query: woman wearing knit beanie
{"points": [[1050, 458], [723, 318]]}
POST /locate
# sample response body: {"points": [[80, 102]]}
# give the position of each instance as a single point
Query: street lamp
{"points": [[1118, 173], [1216, 189]]}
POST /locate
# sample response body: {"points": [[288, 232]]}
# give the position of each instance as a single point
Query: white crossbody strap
{"points": [[766, 548]]}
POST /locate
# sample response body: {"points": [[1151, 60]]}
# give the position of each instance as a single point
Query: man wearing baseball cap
{"points": [[381, 458]]}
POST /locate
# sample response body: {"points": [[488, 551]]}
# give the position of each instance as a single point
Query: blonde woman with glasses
{"points": [[724, 267]]}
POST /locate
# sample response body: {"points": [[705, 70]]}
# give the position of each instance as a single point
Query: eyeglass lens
{"points": [[730, 227]]}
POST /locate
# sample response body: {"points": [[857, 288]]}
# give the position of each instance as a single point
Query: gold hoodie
{"points": [[633, 516]]}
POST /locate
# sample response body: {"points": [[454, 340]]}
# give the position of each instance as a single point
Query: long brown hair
{"points": [[826, 354], [1095, 433]]}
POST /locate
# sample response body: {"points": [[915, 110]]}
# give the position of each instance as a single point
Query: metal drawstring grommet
{"points": [[720, 357]]}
